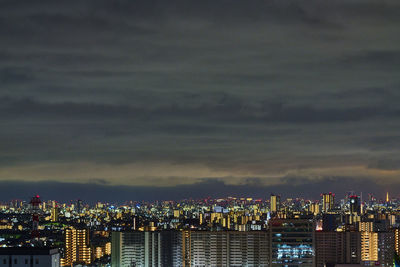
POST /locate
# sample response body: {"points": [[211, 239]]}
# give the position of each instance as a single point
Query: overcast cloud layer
{"points": [[178, 93]]}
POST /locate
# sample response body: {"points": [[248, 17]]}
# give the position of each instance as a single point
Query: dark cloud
{"points": [[14, 75], [386, 163], [235, 89]]}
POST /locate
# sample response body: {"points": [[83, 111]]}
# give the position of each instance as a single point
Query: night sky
{"points": [[119, 100]]}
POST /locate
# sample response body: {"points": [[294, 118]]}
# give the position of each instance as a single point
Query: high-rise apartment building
{"points": [[248, 249], [333, 248], [146, 249], [378, 248], [292, 242], [77, 249], [226, 248], [366, 226], [396, 233], [369, 246], [190, 249]]}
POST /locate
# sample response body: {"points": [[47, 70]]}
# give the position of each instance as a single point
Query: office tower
{"points": [[146, 249], [54, 214], [37, 257], [77, 249], [333, 248], [226, 249], [355, 208], [328, 202], [275, 203], [387, 197], [291, 242]]}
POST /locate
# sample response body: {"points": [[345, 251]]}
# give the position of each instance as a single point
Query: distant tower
{"points": [[387, 197], [35, 202]]}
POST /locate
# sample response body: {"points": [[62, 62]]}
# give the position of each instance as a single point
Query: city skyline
{"points": [[154, 198], [171, 99], [246, 232]]}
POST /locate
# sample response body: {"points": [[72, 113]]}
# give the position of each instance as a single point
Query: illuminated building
{"points": [[201, 218], [107, 248], [225, 248], [355, 208], [190, 248], [397, 240], [328, 202], [365, 226], [208, 248], [177, 213], [386, 248], [314, 208], [77, 248], [248, 249], [369, 246], [378, 248], [54, 214], [127, 249], [35, 257], [145, 249], [99, 252], [291, 242], [275, 203]]}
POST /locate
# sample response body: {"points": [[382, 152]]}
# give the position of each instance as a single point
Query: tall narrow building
{"points": [[77, 249], [275, 203], [328, 202]]}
